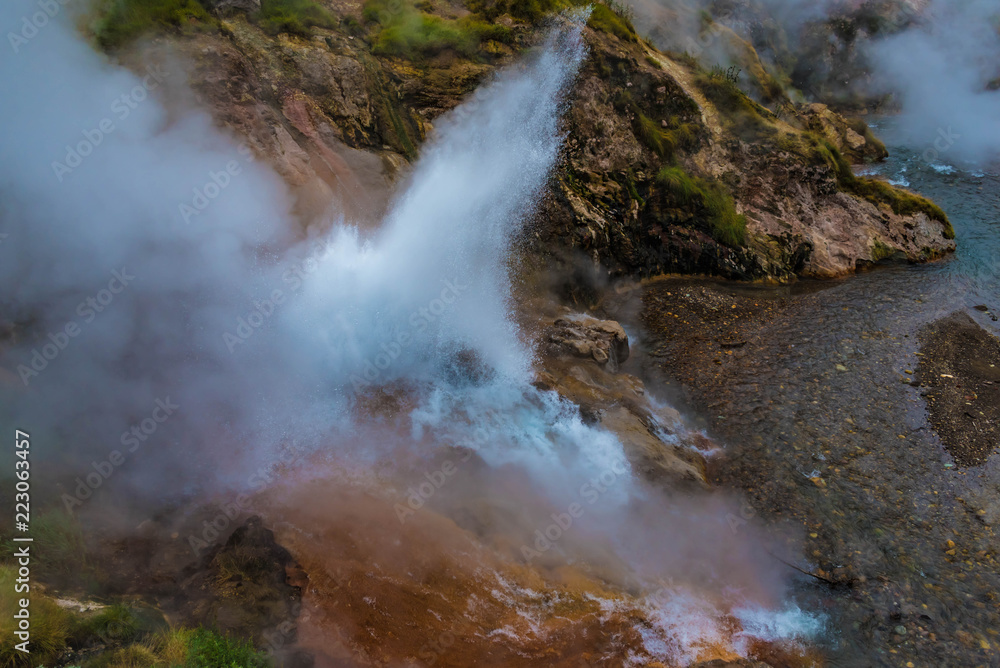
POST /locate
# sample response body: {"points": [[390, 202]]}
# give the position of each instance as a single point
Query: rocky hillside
{"points": [[667, 167]]}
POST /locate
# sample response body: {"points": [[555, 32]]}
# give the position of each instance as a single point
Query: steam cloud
{"points": [[943, 68], [149, 264]]}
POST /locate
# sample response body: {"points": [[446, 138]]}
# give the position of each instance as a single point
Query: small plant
{"points": [[730, 74]]}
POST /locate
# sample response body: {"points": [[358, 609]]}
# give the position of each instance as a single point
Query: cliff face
{"points": [[666, 167]]}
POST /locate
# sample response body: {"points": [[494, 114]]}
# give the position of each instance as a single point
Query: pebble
{"points": [[900, 630]]}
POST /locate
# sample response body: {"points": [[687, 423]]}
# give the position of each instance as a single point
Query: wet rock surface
{"points": [[582, 355]]}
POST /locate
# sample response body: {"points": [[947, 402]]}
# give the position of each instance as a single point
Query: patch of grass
{"points": [[121, 21], [605, 19], [137, 655], [114, 624], [662, 139], [207, 649], [59, 545], [709, 198], [650, 134], [49, 624], [742, 116], [410, 33], [296, 17], [902, 202]]}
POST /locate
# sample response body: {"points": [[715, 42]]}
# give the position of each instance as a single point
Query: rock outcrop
{"points": [[667, 168], [580, 357], [603, 341]]}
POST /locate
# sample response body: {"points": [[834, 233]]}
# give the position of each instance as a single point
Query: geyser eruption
{"points": [[434, 279], [391, 358]]}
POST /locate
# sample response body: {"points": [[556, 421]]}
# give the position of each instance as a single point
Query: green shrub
{"points": [[121, 21], [711, 199], [295, 17]]}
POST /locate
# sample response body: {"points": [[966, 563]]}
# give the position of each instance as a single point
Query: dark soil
{"points": [[960, 367]]}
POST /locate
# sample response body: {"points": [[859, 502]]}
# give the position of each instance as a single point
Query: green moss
{"points": [[741, 115], [121, 21], [410, 33], [881, 251], [113, 624], [604, 19], [661, 140], [296, 17], [394, 130], [710, 199]]}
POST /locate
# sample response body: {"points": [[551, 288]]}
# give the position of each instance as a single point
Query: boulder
{"points": [[579, 335]]}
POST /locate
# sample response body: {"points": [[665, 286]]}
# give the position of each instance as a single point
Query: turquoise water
{"points": [[970, 194]]}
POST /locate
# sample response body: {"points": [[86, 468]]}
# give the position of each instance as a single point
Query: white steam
{"points": [[940, 70], [200, 294]]}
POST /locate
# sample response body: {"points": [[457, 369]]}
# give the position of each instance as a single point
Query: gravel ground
{"points": [[816, 394]]}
